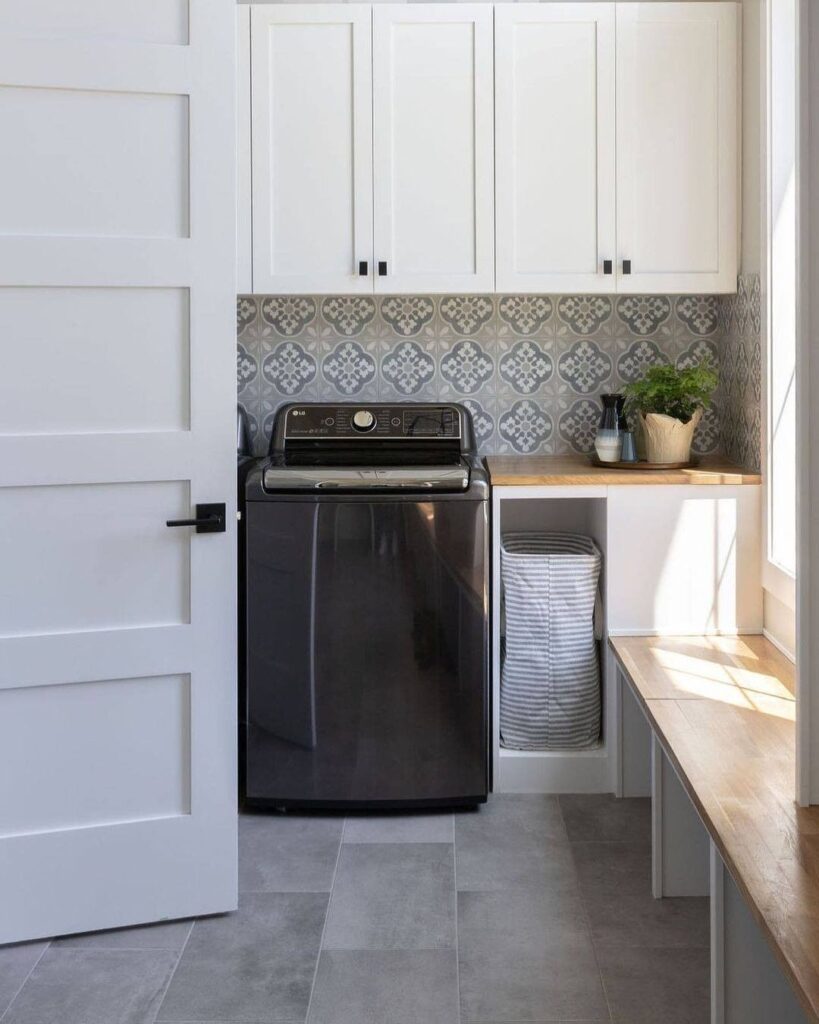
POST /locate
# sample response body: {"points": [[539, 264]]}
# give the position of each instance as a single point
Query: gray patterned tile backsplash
{"points": [[529, 367], [740, 393]]}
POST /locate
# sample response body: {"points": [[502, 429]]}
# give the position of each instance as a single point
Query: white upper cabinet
{"points": [[677, 144], [377, 131], [312, 148], [554, 145], [433, 147]]}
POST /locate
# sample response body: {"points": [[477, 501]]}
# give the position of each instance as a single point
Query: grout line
{"points": [[173, 972], [22, 986], [326, 919], [457, 943], [77, 950], [585, 913]]}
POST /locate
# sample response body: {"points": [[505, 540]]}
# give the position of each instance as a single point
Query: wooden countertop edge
{"points": [[583, 474], [810, 1008]]}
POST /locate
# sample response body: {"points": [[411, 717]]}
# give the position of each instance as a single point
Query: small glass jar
{"points": [[609, 440]]}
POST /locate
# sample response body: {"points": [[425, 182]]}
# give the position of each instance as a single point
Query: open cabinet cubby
{"points": [[540, 771]]}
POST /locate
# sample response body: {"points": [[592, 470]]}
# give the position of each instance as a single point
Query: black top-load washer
{"points": [[367, 631]]}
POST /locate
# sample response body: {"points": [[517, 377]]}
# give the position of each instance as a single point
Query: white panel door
{"points": [[312, 148], [117, 398], [433, 147], [554, 147], [677, 145]]}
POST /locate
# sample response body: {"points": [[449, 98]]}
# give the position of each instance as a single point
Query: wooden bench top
{"points": [[724, 711]]}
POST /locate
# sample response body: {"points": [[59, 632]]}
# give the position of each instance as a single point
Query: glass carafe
{"points": [[609, 441]]}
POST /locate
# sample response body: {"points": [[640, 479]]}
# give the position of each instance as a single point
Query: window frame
{"points": [[776, 579]]}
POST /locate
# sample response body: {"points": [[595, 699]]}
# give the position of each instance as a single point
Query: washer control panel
{"points": [[344, 422]]}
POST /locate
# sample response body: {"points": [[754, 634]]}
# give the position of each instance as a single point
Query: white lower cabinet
{"points": [[684, 559], [677, 560], [377, 132]]}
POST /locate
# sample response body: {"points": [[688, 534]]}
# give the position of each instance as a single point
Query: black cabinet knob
{"points": [[626, 266], [382, 268], [363, 268], [608, 266]]}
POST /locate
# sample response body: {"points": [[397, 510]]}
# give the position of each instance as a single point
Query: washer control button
{"points": [[363, 420]]}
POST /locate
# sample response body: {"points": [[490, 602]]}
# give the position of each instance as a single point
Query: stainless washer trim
{"points": [[366, 478]]}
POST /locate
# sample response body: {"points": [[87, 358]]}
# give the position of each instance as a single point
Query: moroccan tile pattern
{"points": [[741, 373], [529, 367]]}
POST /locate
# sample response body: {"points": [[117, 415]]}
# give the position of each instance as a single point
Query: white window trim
{"points": [[777, 580]]}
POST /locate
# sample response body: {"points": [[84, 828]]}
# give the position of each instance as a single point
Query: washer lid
{"points": [[422, 479]]}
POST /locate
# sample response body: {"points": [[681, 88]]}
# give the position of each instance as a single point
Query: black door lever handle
{"points": [[209, 519]]}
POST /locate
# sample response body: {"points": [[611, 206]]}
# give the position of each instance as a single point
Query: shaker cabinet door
{"points": [[433, 147], [677, 142], [312, 148], [554, 147]]}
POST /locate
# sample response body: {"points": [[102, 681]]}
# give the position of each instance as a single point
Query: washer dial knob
{"points": [[363, 420]]}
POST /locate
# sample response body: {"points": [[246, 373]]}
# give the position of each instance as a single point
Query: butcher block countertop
{"points": [[577, 470]]}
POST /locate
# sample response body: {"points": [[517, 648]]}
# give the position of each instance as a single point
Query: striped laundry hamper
{"points": [[550, 680]]}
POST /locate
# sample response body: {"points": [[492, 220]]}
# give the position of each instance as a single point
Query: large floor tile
{"points": [[85, 986], [386, 987], [549, 984], [167, 935], [602, 817], [253, 965], [615, 885], [393, 896], [527, 956], [400, 828], [516, 923], [645, 986], [287, 853], [16, 962], [515, 841], [529, 816]]}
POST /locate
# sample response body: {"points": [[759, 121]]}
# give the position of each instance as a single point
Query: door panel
{"points": [[144, 21], [137, 728], [433, 131], [56, 181], [554, 147], [83, 391], [117, 635], [63, 539], [312, 148], [677, 133]]}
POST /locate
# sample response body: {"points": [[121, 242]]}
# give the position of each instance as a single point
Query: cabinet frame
{"points": [[507, 19], [723, 277], [266, 279], [482, 278]]}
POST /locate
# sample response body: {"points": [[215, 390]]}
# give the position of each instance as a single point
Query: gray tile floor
{"points": [[533, 909]]}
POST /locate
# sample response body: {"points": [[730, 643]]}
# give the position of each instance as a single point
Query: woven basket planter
{"points": [[668, 439]]}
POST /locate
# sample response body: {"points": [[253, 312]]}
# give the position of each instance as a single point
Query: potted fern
{"points": [[670, 403]]}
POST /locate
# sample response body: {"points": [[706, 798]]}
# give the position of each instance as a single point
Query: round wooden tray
{"points": [[642, 464]]}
